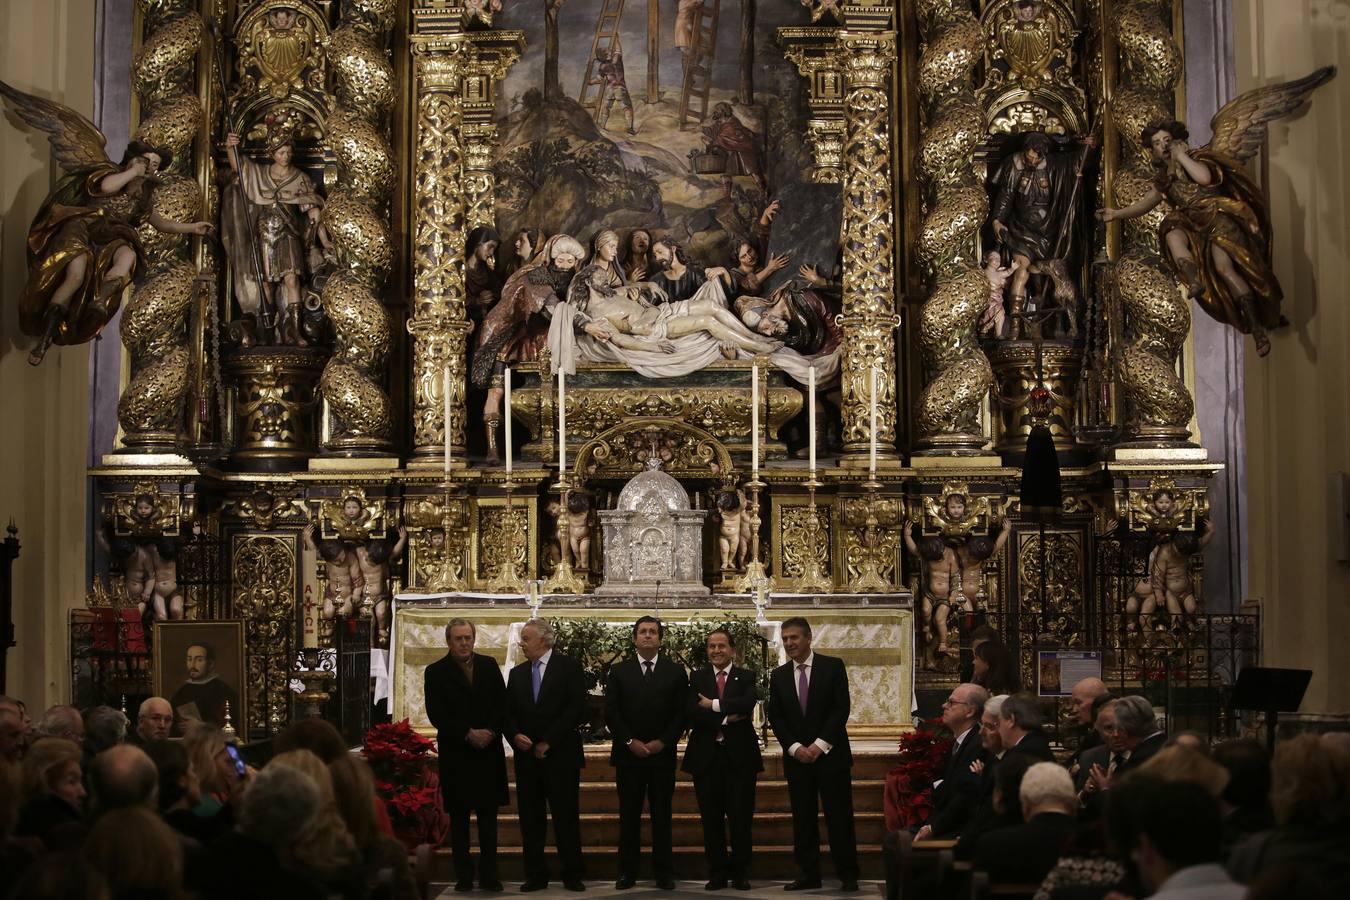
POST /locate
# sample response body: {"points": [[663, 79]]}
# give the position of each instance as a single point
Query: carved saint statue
{"points": [[82, 246], [1032, 217], [1217, 230], [277, 240]]}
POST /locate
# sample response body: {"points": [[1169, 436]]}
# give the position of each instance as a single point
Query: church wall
{"points": [[46, 48], [1298, 398]]}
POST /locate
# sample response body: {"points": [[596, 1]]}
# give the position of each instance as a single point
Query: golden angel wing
{"points": [[1240, 127], [74, 139]]}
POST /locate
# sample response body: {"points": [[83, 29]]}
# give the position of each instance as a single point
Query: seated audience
{"points": [[53, 790], [1087, 698], [315, 735], [216, 772], [61, 722], [1246, 799], [61, 876], [324, 848], [154, 720], [16, 854], [1019, 724], [137, 854], [956, 790], [1175, 840], [180, 792], [1310, 795], [978, 636], [1025, 853], [1178, 763], [1191, 740], [280, 806], [105, 727], [13, 731], [122, 777], [1004, 809], [384, 858], [1138, 734], [996, 669], [1103, 721]]}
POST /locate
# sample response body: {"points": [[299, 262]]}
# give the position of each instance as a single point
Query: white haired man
{"points": [[1024, 854]]}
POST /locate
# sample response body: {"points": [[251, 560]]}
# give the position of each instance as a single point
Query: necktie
{"points": [[721, 683], [537, 677], [647, 664], [802, 686], [1115, 764]]}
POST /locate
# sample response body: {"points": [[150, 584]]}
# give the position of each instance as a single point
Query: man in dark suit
{"points": [[645, 698], [1019, 726], [723, 756], [465, 697], [545, 700], [1025, 853], [956, 792], [1138, 737], [808, 710]]}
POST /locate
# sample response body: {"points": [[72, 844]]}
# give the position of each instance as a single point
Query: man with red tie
{"points": [[723, 756], [808, 711]]}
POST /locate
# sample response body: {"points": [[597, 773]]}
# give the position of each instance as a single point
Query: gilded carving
{"points": [[1050, 589], [265, 508], [280, 47], [871, 543], [263, 570], [805, 547]]}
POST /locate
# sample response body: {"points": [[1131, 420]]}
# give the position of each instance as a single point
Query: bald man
{"points": [[153, 721], [123, 776], [1085, 706]]}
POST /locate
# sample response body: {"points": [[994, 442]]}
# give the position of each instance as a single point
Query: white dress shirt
{"points": [[825, 747]]}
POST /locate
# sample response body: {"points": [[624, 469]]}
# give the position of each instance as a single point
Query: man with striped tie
{"points": [[808, 711]]}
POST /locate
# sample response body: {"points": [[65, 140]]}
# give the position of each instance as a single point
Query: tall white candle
{"points": [[507, 379], [445, 391], [562, 426], [872, 454], [811, 415], [754, 422]]}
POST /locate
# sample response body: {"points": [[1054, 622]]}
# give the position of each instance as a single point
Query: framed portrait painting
{"points": [[199, 669]]}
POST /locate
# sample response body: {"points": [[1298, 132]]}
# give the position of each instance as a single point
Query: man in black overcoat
{"points": [[808, 711], [465, 699], [645, 698], [723, 756], [545, 701]]}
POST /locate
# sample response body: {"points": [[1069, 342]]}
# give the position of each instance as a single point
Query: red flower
{"points": [[909, 786], [407, 781]]}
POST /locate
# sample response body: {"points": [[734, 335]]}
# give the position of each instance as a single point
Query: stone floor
{"points": [[688, 890]]}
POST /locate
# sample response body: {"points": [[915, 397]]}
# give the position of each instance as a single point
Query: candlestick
{"points": [[509, 460], [754, 422], [445, 391], [562, 425], [872, 452], [811, 415]]}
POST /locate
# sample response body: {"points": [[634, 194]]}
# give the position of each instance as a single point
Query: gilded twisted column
{"points": [[869, 319], [955, 206], [154, 324], [439, 324], [356, 216], [1156, 317]]}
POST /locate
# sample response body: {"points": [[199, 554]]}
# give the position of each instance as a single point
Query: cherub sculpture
{"points": [[143, 540], [995, 314], [373, 557], [1217, 230], [732, 535], [83, 248], [1169, 584], [342, 574], [937, 565], [578, 550]]}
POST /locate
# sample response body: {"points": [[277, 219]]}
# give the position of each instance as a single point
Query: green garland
{"points": [[599, 644]]}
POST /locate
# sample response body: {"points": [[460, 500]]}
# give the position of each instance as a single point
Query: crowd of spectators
{"points": [[1131, 813], [93, 810]]}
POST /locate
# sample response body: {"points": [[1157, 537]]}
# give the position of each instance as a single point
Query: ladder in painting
{"points": [[698, 74], [592, 97]]}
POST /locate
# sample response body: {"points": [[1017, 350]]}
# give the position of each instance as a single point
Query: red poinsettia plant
{"points": [[407, 781], [908, 797]]}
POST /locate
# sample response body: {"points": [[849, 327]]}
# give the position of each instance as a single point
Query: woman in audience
{"points": [[1179, 763], [1246, 799], [315, 735], [53, 790], [996, 669], [180, 792], [325, 848], [218, 777], [1310, 794], [385, 859], [16, 854], [137, 854]]}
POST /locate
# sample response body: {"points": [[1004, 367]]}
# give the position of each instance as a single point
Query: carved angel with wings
{"points": [[1217, 231], [82, 245]]}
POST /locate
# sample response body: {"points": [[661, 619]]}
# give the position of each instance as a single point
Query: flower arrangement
{"points": [[407, 781], [908, 796]]}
